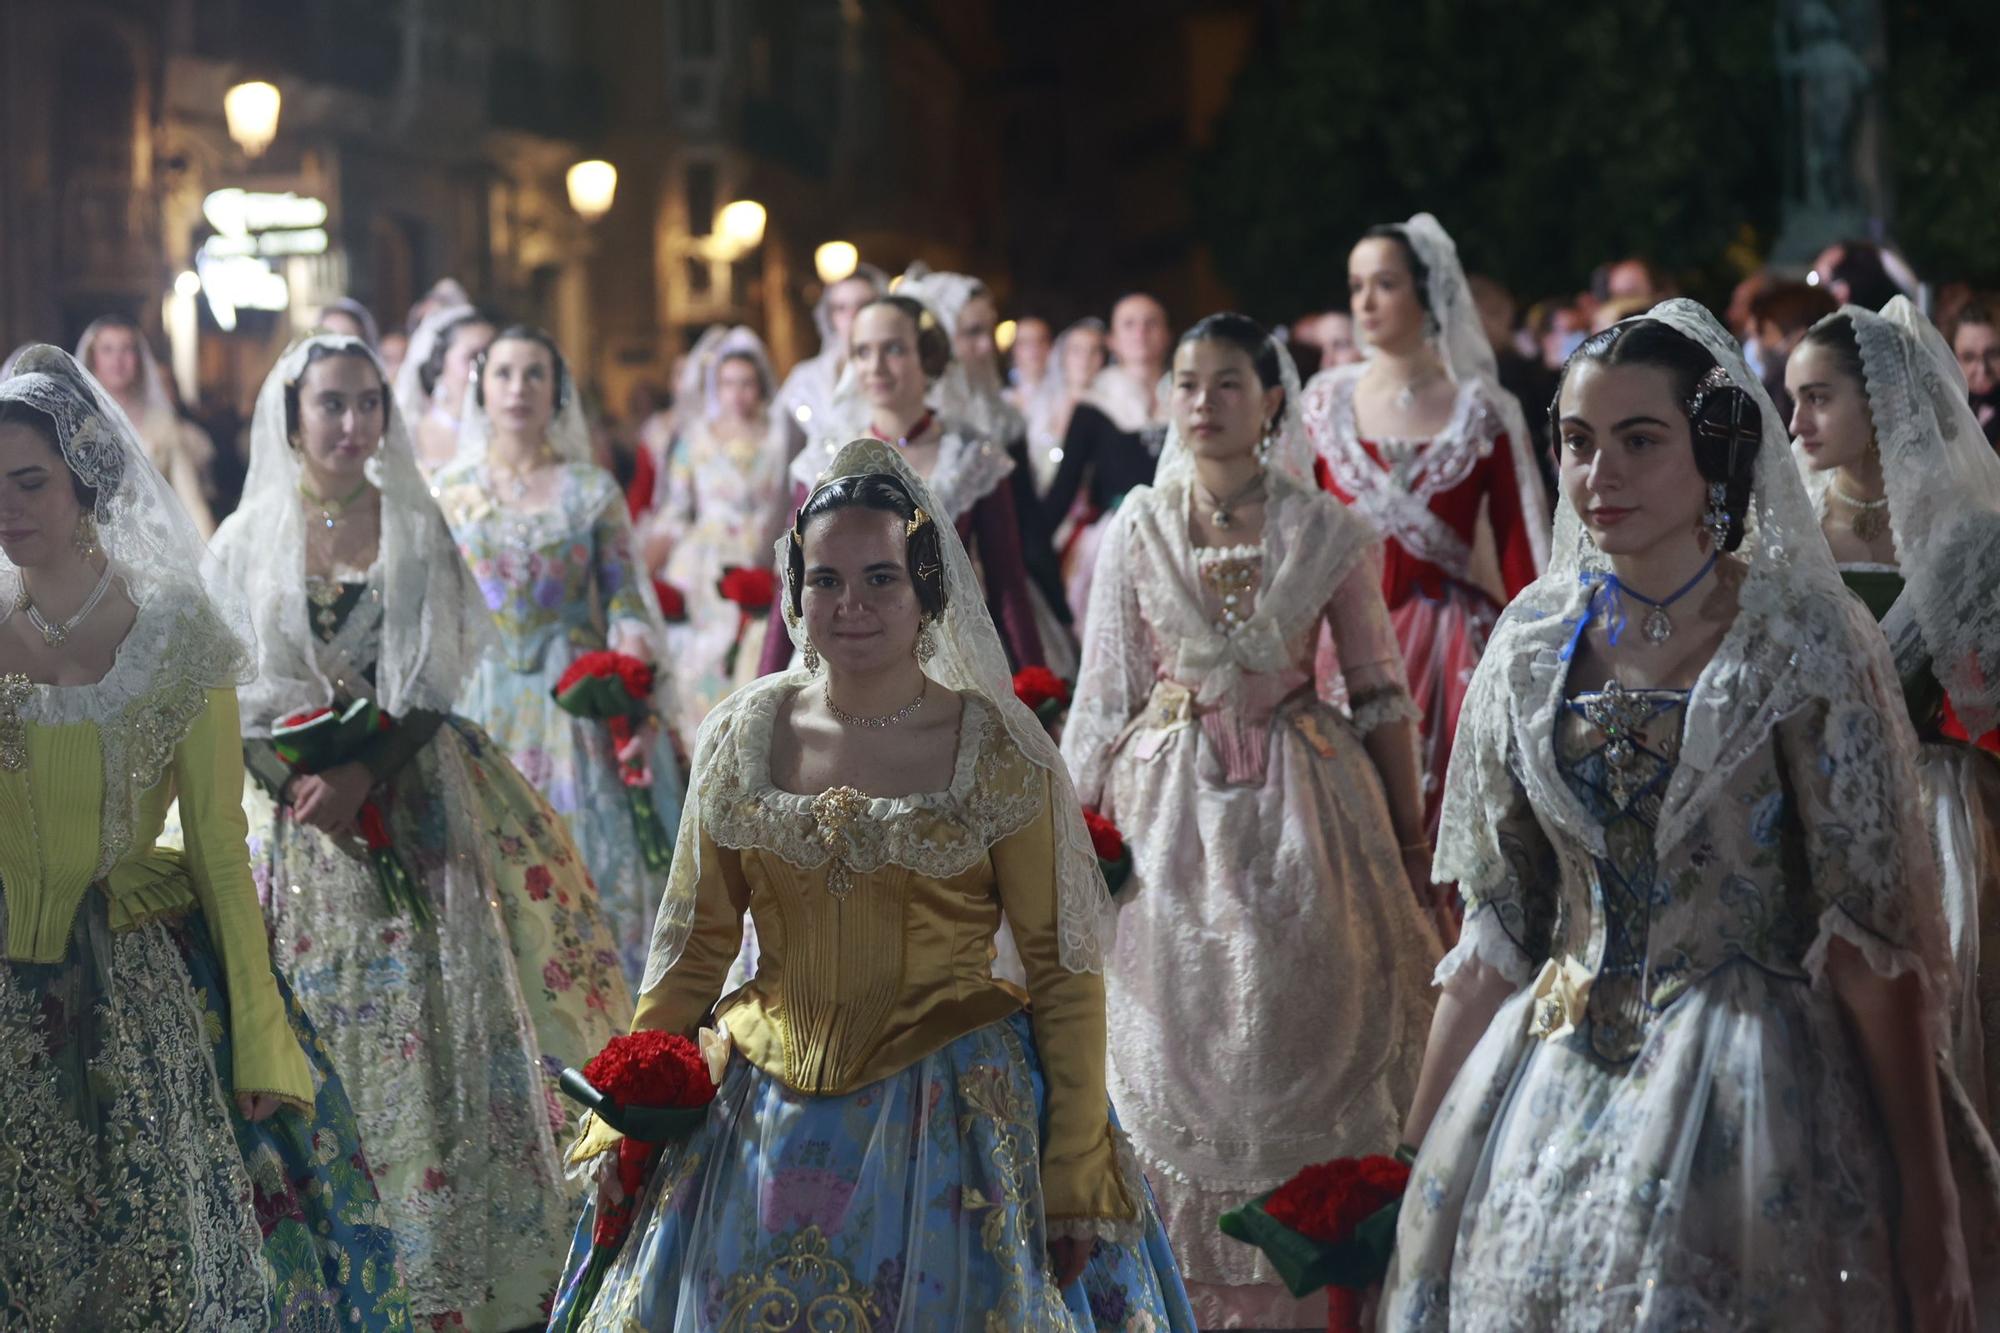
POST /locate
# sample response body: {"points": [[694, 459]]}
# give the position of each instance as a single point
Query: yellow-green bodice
{"points": [[86, 776]]}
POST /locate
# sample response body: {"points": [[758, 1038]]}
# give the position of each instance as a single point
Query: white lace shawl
{"points": [[1943, 483], [969, 659], [1798, 638], [1142, 595], [435, 625], [969, 465]]}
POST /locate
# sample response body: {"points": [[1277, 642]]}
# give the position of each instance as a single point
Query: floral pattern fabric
{"points": [[911, 1204], [153, 1203], [556, 580]]}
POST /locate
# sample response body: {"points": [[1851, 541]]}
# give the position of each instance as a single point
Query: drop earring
{"points": [[86, 536], [926, 641], [1715, 518], [810, 655]]}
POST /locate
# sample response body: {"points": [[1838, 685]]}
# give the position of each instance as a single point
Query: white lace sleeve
{"points": [[1491, 843], [1364, 639], [1118, 668]]}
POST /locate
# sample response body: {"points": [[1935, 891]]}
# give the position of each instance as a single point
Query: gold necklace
{"points": [[332, 512], [886, 720], [1223, 514], [1871, 517]]}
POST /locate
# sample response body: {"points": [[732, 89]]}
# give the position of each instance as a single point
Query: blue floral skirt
{"points": [[912, 1204], [153, 1203]]}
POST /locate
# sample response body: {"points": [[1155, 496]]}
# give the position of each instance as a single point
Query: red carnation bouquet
{"points": [[1044, 692], [617, 690], [753, 590], [1331, 1225], [321, 738], [654, 1088], [1114, 858], [673, 606]]}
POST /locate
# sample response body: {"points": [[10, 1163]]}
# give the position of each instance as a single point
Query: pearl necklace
{"points": [[56, 635], [887, 720], [1869, 519]]}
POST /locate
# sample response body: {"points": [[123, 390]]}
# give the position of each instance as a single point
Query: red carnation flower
{"points": [[1037, 685], [300, 719], [649, 1068], [1105, 839], [1327, 1201], [751, 588], [673, 606]]}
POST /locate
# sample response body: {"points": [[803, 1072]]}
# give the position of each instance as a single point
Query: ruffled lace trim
{"points": [[939, 834], [1485, 941], [1379, 708], [1122, 1231], [176, 651]]}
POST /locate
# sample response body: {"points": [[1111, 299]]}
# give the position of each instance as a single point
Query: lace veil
{"points": [[970, 659], [1040, 407], [434, 624], [411, 398], [1799, 637], [983, 408], [1467, 355], [1943, 483], [569, 431], [141, 525]]}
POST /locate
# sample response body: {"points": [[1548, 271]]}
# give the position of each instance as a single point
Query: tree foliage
{"points": [[1548, 136], [1941, 103]]}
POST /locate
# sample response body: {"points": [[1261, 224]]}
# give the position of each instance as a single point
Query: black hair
{"points": [[1835, 333], [764, 385], [886, 494], [526, 333], [14, 412], [1866, 275], [432, 369], [1719, 455], [933, 345], [1247, 336], [1420, 273], [322, 352]]}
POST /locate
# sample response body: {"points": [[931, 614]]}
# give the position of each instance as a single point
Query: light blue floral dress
{"points": [[556, 579]]}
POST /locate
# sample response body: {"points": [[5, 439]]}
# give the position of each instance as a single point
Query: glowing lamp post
{"points": [[252, 112], [592, 186], [835, 261]]}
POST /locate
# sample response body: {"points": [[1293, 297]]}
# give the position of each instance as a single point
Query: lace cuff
{"points": [[1125, 1231], [1884, 958], [1379, 707], [1484, 940]]}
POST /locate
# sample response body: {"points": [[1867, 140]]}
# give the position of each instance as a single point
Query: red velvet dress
{"points": [[1424, 497]]}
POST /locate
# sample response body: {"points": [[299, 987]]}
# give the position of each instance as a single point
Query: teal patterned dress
{"points": [[556, 580]]}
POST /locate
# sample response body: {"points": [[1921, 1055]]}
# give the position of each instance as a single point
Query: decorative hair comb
{"points": [[916, 521]]}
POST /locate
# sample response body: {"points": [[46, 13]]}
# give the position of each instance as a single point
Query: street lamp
{"points": [[836, 260], [252, 112], [741, 225], [592, 185]]}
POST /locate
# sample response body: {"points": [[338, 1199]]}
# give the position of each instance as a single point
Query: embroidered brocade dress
{"points": [[452, 1033], [1961, 789], [1424, 498], [1671, 1128], [136, 998], [723, 505], [1269, 988], [895, 1138], [556, 580]]}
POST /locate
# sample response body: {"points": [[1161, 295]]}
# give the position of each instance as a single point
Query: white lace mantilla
{"points": [[992, 794], [1395, 494], [969, 466]]}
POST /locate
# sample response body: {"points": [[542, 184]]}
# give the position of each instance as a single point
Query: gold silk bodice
{"points": [[875, 921]]}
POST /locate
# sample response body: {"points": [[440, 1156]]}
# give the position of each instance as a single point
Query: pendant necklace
{"points": [[1871, 517], [56, 635], [915, 432], [331, 512], [1405, 398], [886, 720], [1223, 514], [1658, 626], [516, 479]]}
